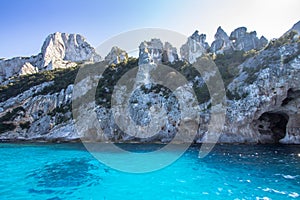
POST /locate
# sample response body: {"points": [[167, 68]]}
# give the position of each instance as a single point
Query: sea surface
{"points": [[69, 171]]}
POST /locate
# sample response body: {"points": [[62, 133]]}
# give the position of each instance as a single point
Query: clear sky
{"points": [[26, 23]]}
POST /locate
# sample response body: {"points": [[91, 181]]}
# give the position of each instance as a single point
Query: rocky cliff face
{"points": [[154, 52], [150, 52], [242, 40], [34, 116], [194, 47], [296, 27], [169, 53], [18, 66], [263, 98], [222, 42], [239, 40], [60, 50], [116, 56], [267, 92]]}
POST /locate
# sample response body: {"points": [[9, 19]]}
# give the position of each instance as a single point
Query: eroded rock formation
{"points": [[60, 50], [239, 40], [154, 52], [242, 40], [266, 108], [194, 47], [116, 56], [262, 99], [222, 42]]}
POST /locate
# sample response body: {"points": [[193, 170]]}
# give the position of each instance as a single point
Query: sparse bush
{"points": [[10, 115], [25, 125], [6, 120], [202, 94], [61, 77], [227, 64], [4, 127], [235, 95], [109, 79], [61, 113], [285, 39], [62, 109]]}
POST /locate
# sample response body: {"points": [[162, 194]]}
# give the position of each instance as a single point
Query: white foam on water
{"points": [[294, 194]]}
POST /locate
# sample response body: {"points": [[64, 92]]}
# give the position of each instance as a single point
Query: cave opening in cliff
{"points": [[273, 124]]}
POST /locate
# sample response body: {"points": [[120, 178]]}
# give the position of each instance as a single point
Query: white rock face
{"points": [[154, 52], [60, 50], [239, 39], [36, 110], [116, 56], [169, 53], [222, 42], [194, 47], [150, 52], [17, 66], [66, 47], [27, 68], [269, 110], [245, 41], [23, 96]]}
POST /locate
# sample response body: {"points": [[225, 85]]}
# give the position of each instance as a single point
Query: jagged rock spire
{"points": [[194, 47], [116, 56]]}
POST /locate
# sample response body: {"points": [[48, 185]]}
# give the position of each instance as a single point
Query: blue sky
{"points": [[26, 23]]}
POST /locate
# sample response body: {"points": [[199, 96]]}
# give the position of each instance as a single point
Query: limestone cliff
{"points": [[60, 50], [194, 47], [61, 47], [116, 56], [262, 88], [266, 105], [239, 39], [222, 42], [242, 40], [155, 52]]}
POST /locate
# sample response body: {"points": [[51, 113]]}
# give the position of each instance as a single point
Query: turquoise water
{"points": [[68, 171]]}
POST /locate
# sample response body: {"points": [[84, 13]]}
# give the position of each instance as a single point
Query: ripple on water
{"points": [[70, 173]]}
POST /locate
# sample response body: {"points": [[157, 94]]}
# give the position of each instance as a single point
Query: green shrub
{"points": [[25, 125], [4, 127], [235, 95], [62, 109], [202, 94], [285, 39], [6, 120], [10, 115], [227, 64], [61, 77], [109, 79], [60, 113]]}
